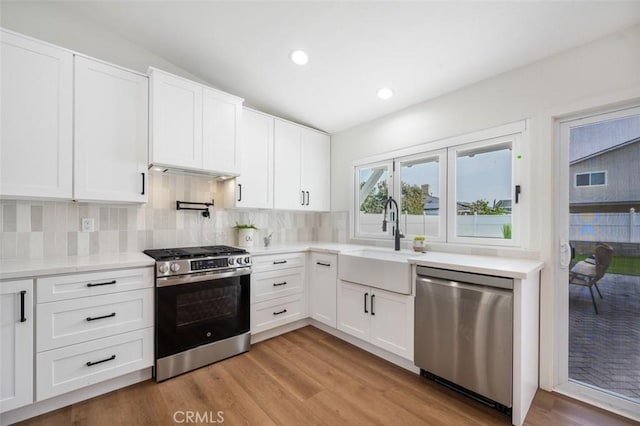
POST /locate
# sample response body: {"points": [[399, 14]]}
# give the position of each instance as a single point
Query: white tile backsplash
{"points": [[37, 229]]}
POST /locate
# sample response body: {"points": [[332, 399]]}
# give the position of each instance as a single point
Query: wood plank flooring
{"points": [[307, 377]]}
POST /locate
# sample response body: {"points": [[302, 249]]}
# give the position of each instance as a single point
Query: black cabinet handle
{"points": [[239, 192], [372, 297], [280, 312], [22, 294], [365, 303], [517, 193], [90, 363], [302, 203], [323, 264], [279, 262], [113, 314], [98, 284], [307, 198], [279, 284], [142, 193]]}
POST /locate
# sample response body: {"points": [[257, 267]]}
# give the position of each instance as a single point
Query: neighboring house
{"points": [[606, 180], [505, 204]]}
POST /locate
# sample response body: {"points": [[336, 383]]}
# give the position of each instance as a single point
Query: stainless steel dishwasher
{"points": [[464, 333]]}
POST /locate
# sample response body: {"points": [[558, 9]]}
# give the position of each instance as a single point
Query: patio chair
{"points": [[588, 272]]}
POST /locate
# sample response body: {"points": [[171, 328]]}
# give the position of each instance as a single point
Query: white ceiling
{"points": [[419, 49]]}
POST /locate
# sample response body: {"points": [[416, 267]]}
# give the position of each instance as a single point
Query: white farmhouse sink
{"points": [[384, 269]]}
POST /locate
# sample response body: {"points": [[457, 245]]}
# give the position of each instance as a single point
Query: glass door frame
{"points": [[563, 384]]}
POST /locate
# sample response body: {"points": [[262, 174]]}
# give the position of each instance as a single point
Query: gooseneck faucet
{"points": [[394, 217]]}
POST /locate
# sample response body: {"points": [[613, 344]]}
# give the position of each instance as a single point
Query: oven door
{"points": [[198, 309]]}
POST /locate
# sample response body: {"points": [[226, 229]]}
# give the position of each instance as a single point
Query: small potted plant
{"points": [[419, 243], [246, 233]]}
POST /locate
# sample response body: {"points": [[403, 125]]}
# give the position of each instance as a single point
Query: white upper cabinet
{"points": [[301, 164], [221, 114], [194, 127], [111, 133], [254, 187], [37, 116], [176, 117]]}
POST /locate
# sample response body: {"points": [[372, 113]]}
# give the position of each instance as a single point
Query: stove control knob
{"points": [[239, 261], [163, 268], [231, 261], [247, 260], [175, 267]]}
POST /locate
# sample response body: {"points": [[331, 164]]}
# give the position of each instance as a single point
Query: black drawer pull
{"points": [[111, 358], [323, 264], [365, 303], [279, 262], [372, 297], [113, 314], [143, 176], [279, 284], [22, 294], [280, 312], [97, 284]]}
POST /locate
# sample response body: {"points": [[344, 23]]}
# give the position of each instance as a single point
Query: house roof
{"points": [[604, 151]]}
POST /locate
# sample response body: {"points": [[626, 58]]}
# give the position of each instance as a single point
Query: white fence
{"points": [[486, 226], [609, 227]]}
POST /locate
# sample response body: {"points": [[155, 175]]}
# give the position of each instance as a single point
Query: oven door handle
{"points": [[205, 276]]}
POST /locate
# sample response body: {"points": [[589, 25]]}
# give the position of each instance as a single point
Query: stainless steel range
{"points": [[202, 307]]}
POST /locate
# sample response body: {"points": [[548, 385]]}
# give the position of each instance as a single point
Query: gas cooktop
{"points": [[193, 252]]}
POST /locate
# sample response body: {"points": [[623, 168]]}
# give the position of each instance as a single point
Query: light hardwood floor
{"points": [[308, 377]]}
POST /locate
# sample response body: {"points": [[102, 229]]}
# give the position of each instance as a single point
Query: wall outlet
{"points": [[88, 225]]}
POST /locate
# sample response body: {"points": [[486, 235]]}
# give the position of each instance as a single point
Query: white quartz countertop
{"points": [[487, 265], [26, 268], [333, 248]]}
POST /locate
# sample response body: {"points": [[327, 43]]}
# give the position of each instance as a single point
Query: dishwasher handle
{"points": [[462, 286]]}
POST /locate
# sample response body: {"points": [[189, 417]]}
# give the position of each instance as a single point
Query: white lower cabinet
{"points": [[92, 327], [323, 281], [16, 344], [72, 367], [277, 290], [379, 317]]}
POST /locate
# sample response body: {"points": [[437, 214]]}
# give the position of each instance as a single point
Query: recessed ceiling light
{"points": [[385, 93], [299, 57]]}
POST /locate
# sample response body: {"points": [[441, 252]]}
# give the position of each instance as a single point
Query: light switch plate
{"points": [[88, 225]]}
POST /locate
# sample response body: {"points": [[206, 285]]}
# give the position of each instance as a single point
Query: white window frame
{"points": [[514, 241], [575, 179], [356, 199], [517, 132], [441, 154]]}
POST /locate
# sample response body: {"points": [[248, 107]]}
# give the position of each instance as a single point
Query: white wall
{"points": [[50, 23], [601, 73]]}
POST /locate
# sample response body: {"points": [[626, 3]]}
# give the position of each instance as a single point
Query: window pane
{"points": [[483, 191], [420, 197], [582, 179], [597, 178], [372, 196]]}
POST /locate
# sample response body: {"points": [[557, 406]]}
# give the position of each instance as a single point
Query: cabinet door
{"points": [[324, 281], [316, 169], [354, 307], [392, 322], [176, 111], [288, 167], [37, 108], [254, 186], [221, 115], [111, 125], [16, 344]]}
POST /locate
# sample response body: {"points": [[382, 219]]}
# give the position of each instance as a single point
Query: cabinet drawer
{"points": [[274, 262], [63, 287], [68, 322], [274, 313], [66, 369], [270, 285]]}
